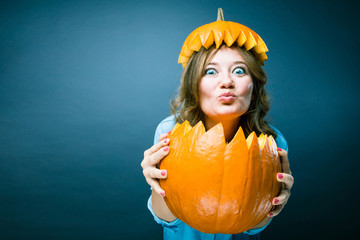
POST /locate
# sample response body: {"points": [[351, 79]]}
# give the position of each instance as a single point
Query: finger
{"points": [[156, 147], [287, 179], [284, 161], [156, 157], [282, 198], [152, 172], [277, 209], [155, 186], [164, 135]]}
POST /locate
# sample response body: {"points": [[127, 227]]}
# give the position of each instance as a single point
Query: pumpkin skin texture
{"points": [[219, 187], [223, 31]]}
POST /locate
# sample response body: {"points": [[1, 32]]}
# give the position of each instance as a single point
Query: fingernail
{"points": [[270, 215], [276, 201], [165, 141], [162, 193], [169, 132], [166, 149], [163, 172], [279, 149], [280, 175]]}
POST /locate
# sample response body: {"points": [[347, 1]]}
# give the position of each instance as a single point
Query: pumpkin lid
{"points": [[223, 31]]}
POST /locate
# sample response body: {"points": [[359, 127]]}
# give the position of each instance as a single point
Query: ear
{"points": [[252, 96], [253, 91]]}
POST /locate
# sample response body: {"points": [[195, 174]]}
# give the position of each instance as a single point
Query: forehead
{"points": [[227, 55]]}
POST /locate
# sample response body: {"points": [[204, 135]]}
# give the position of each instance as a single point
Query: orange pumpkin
{"points": [[223, 31], [219, 187]]}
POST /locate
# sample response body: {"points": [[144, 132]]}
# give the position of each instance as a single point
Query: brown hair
{"points": [[186, 105]]}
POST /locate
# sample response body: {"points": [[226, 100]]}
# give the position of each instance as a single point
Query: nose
{"points": [[226, 81]]}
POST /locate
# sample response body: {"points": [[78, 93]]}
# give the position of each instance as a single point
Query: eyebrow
{"points": [[236, 62]]}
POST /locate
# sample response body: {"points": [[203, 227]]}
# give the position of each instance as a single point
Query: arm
{"points": [[160, 208], [152, 157], [287, 179]]}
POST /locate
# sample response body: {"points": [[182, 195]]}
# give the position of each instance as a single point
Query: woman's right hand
{"points": [[152, 158]]}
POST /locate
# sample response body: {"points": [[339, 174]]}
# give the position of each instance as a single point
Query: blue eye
{"points": [[239, 71], [210, 71]]}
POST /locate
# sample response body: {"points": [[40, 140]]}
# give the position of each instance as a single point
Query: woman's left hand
{"points": [[287, 179]]}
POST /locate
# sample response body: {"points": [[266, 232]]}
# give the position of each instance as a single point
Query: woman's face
{"points": [[226, 87]]}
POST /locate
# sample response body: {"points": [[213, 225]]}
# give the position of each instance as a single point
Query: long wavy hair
{"points": [[186, 104]]}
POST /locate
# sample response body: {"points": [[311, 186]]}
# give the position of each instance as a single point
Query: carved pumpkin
{"points": [[219, 187], [223, 31]]}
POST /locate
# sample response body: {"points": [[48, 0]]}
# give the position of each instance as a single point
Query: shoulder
{"points": [[164, 126], [280, 139]]}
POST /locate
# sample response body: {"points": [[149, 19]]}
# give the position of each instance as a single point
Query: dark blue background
{"points": [[83, 84]]}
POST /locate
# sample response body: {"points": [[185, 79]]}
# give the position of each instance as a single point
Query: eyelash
{"points": [[206, 70], [243, 69]]}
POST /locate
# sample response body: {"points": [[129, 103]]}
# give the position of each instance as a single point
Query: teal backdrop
{"points": [[83, 85]]}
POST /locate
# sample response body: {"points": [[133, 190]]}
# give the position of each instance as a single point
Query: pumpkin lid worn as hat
{"points": [[223, 31]]}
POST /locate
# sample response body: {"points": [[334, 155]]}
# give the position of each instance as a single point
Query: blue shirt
{"points": [[177, 229]]}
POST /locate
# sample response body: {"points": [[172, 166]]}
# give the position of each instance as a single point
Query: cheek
{"points": [[245, 90], [206, 91], [205, 88]]}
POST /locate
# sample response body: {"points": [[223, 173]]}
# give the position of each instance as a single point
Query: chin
{"points": [[226, 116], [225, 112], [232, 112]]}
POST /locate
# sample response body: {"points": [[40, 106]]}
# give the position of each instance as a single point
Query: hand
{"points": [[152, 158], [287, 179]]}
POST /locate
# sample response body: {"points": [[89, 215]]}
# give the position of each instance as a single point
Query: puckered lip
{"points": [[227, 94]]}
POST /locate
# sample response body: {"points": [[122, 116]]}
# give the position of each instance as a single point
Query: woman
{"points": [[219, 84]]}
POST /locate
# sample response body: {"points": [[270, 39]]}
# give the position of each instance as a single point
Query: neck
{"points": [[230, 127]]}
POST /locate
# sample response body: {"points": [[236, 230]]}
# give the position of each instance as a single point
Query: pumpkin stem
{"points": [[220, 16]]}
